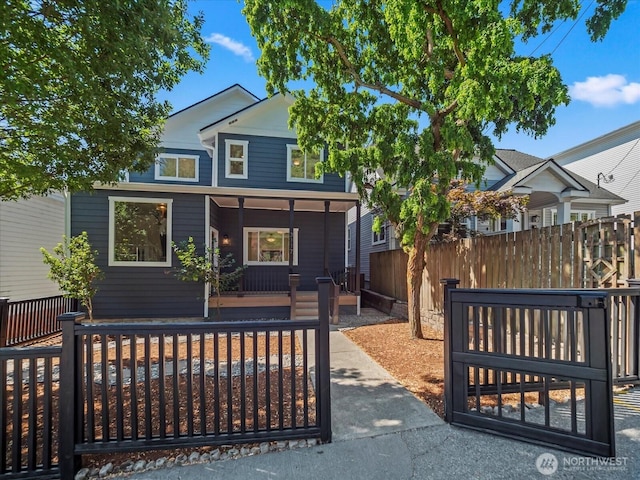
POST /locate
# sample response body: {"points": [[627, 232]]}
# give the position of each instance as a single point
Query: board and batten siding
{"points": [[267, 158], [310, 227], [25, 226], [141, 292], [204, 170]]}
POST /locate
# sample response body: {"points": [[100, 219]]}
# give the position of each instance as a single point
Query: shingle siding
{"points": [[141, 292], [267, 168]]}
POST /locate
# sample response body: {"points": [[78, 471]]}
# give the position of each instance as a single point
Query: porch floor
{"points": [[250, 299]]}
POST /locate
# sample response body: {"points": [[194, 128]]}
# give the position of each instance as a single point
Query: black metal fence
{"points": [[508, 352], [128, 387], [28, 412], [30, 320], [265, 280]]}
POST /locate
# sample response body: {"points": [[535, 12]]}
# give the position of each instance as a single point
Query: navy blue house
{"points": [[230, 175]]}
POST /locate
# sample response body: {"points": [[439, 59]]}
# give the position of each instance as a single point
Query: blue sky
{"points": [[603, 77]]}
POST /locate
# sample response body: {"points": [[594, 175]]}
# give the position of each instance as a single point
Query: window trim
{"points": [[381, 237], [228, 158], [290, 148], [120, 263], [245, 246], [553, 215], [176, 178], [348, 238]]}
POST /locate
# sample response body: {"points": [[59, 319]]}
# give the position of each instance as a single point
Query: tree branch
{"points": [[378, 86], [449, 26]]}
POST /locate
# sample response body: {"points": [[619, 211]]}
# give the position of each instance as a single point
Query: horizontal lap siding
{"points": [[268, 166], [141, 292], [310, 239], [204, 167]]}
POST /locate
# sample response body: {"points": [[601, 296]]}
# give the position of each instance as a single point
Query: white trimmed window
{"points": [[301, 166], [379, 238], [140, 231], [348, 238], [171, 166], [575, 215], [269, 246], [237, 158]]}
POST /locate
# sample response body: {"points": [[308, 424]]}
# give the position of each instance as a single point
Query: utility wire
{"points": [[632, 178], [572, 26], [626, 155]]}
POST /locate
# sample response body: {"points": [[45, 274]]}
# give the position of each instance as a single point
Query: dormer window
{"points": [[301, 166], [237, 159]]}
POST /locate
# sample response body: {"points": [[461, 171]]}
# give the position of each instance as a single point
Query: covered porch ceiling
{"points": [[283, 204]]}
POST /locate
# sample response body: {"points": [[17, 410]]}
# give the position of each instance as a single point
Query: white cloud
{"points": [[607, 91], [232, 45]]}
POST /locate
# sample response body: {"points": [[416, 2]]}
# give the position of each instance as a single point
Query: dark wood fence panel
{"points": [[30, 320], [503, 345], [29, 412]]}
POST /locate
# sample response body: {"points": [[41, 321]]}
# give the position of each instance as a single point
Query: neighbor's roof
{"points": [[524, 165]]}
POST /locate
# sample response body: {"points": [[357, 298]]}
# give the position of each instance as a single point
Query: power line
{"points": [[626, 155], [632, 178], [572, 26]]}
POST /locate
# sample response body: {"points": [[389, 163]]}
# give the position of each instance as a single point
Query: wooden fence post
{"points": [[449, 284], [4, 320], [68, 430], [322, 358]]}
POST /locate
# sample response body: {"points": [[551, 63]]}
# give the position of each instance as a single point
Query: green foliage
{"points": [[79, 84], [412, 88], [72, 266], [210, 268], [378, 68]]}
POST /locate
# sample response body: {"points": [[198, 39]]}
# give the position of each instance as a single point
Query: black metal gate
{"points": [[534, 365]]}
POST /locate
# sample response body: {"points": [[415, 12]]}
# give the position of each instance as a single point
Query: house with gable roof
{"points": [[556, 196], [230, 175]]}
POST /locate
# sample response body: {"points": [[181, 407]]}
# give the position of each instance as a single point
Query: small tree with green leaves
{"points": [[210, 268], [72, 265]]}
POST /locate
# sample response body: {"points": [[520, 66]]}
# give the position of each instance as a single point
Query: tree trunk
{"points": [[415, 267]]}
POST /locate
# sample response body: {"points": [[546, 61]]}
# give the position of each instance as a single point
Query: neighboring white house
{"points": [[612, 161], [25, 226]]}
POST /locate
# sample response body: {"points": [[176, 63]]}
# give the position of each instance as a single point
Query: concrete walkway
{"points": [[381, 431]]}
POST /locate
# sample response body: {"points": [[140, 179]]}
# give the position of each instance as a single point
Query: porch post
{"points": [[291, 209], [564, 212], [241, 240], [326, 237]]}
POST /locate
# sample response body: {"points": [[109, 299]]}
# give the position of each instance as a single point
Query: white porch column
{"points": [[564, 212]]}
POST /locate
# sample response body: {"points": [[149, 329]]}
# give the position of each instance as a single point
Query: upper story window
{"points": [[171, 166], [269, 246], [236, 158], [301, 166], [140, 231], [378, 238]]}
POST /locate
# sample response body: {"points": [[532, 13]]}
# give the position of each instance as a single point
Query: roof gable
{"points": [[268, 117], [181, 128]]}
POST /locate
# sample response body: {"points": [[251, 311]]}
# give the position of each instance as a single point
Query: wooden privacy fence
{"points": [[132, 387], [599, 253]]}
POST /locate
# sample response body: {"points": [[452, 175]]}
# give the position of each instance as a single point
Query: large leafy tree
{"points": [[78, 87], [412, 88]]}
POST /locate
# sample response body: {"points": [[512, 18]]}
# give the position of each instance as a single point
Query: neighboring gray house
{"points": [[556, 196], [231, 175], [613, 161], [25, 226]]}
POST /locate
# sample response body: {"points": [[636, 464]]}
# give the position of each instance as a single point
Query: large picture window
{"points": [[139, 232], [269, 246], [177, 167], [301, 166], [237, 158]]}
